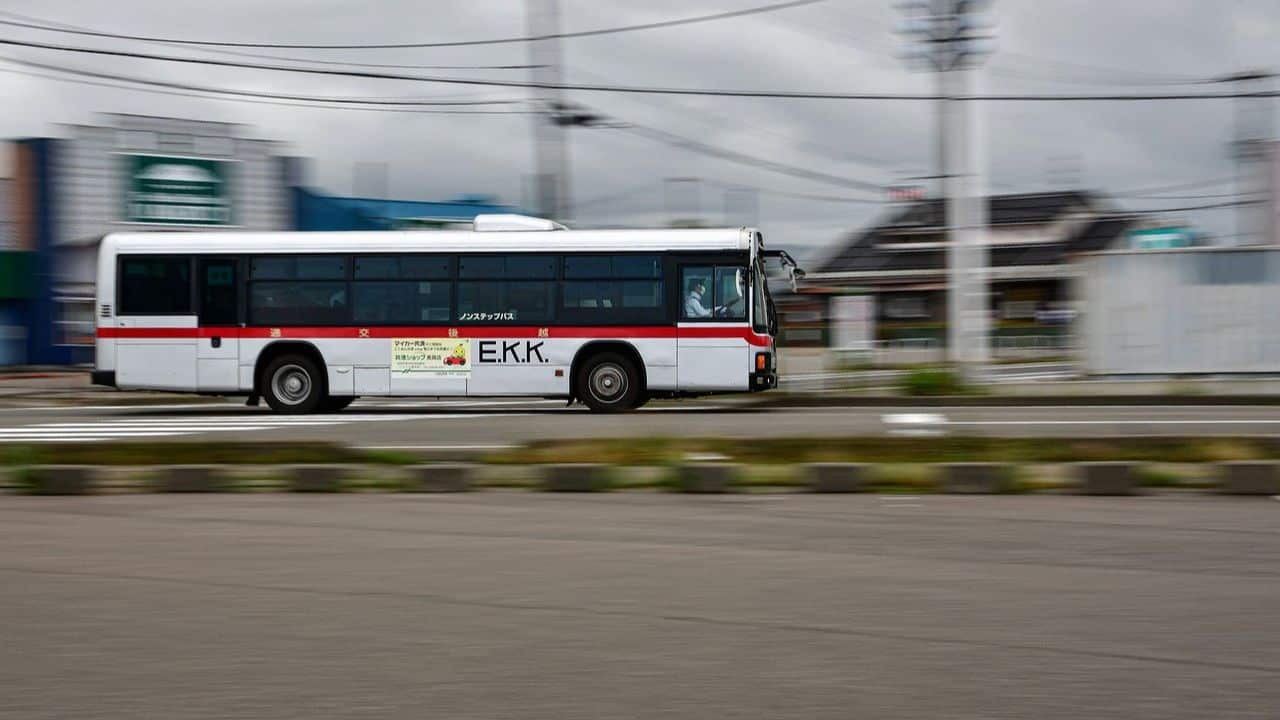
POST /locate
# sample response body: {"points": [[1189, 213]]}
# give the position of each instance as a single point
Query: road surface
{"points": [[481, 424], [533, 606]]}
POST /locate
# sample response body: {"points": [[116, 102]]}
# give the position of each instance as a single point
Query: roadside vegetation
{"points": [[892, 450]]}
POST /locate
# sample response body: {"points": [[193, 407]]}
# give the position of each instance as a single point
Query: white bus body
{"points": [[453, 313]]}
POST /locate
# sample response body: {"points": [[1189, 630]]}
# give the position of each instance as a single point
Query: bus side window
{"points": [[606, 289], [516, 288], [155, 285]]}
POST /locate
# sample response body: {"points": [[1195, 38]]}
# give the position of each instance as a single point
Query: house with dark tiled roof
{"points": [[1031, 239]]}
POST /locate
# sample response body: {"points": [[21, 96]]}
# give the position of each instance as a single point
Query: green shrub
{"points": [[933, 381]]}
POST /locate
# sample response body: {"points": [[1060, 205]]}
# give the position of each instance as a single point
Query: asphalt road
{"points": [[480, 424], [529, 606]]}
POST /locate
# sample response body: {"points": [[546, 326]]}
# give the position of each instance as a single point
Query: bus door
{"points": [[218, 345], [712, 351], [155, 323]]}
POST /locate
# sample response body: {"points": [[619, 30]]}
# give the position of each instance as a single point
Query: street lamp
{"points": [[950, 38]]}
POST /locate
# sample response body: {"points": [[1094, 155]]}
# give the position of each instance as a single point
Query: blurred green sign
{"points": [[176, 190], [1161, 238]]}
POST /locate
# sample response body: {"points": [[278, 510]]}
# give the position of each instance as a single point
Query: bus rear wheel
{"points": [[293, 384], [609, 382]]}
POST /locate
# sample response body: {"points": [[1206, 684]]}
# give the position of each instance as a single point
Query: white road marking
{"points": [[915, 424], [441, 448], [1117, 422], [153, 427], [97, 408], [428, 404]]}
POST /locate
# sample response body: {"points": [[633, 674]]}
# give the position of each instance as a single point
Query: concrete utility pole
{"points": [[550, 146], [950, 37], [1254, 128]]}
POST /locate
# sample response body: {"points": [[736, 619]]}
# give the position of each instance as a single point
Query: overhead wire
{"points": [[191, 90], [55, 26], [774, 7], [734, 156], [652, 90]]}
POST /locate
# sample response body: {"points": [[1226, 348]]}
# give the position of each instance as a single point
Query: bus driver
{"points": [[693, 306]]}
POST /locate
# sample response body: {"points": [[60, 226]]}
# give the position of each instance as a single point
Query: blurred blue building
{"points": [[133, 173], [314, 211]]}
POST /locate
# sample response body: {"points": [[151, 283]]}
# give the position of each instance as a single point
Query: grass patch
{"points": [[889, 450]]}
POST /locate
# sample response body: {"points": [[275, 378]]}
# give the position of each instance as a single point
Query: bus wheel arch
{"points": [[621, 357], [300, 359]]}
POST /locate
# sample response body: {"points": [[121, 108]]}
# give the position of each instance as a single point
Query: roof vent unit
{"points": [[512, 222]]}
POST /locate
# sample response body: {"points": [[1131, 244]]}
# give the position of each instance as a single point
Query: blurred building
{"points": [[129, 173], [902, 262], [138, 173], [1205, 310]]}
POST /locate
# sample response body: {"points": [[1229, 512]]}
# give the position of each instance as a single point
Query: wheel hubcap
{"points": [[608, 383], [291, 384]]}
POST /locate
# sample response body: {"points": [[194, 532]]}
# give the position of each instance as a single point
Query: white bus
{"points": [[311, 321]]}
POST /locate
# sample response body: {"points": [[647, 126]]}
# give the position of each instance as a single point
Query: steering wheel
{"points": [[731, 305]]}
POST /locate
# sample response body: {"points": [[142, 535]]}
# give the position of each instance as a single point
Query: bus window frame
{"points": [[738, 259], [192, 291]]}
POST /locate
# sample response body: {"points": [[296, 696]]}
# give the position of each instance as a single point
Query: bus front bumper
{"points": [[105, 378], [766, 380]]}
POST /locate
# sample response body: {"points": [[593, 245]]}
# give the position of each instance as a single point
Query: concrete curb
{"points": [[1107, 478], [1250, 477], [62, 479], [190, 479], [576, 477], [1244, 478], [797, 400], [836, 477], [439, 478], [706, 478], [316, 478], [975, 478]]}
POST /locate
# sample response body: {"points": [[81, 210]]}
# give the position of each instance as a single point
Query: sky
{"points": [[619, 178]]}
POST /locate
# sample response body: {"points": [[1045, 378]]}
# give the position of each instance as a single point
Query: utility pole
{"points": [[1254, 127], [550, 146], [949, 38]]}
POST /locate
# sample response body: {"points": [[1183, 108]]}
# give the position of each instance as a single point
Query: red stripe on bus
{"points": [[384, 332]]}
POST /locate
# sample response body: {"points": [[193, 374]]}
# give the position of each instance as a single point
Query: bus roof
{"points": [[430, 241]]}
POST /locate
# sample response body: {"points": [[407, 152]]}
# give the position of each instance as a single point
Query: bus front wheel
{"points": [[609, 382], [293, 384]]}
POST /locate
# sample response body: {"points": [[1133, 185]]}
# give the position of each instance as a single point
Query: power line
{"points": [[452, 43], [374, 101], [1195, 185], [721, 120], [260, 56], [743, 159], [650, 90], [251, 101], [1196, 208], [1217, 196], [794, 195]]}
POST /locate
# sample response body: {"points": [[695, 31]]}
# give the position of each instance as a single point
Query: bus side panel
{"points": [[709, 363], [521, 366], [659, 356], [158, 362]]}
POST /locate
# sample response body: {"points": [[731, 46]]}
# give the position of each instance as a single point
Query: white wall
{"points": [[1209, 310]]}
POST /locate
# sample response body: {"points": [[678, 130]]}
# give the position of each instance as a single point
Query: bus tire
{"points": [[293, 385], [609, 383], [333, 404]]}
